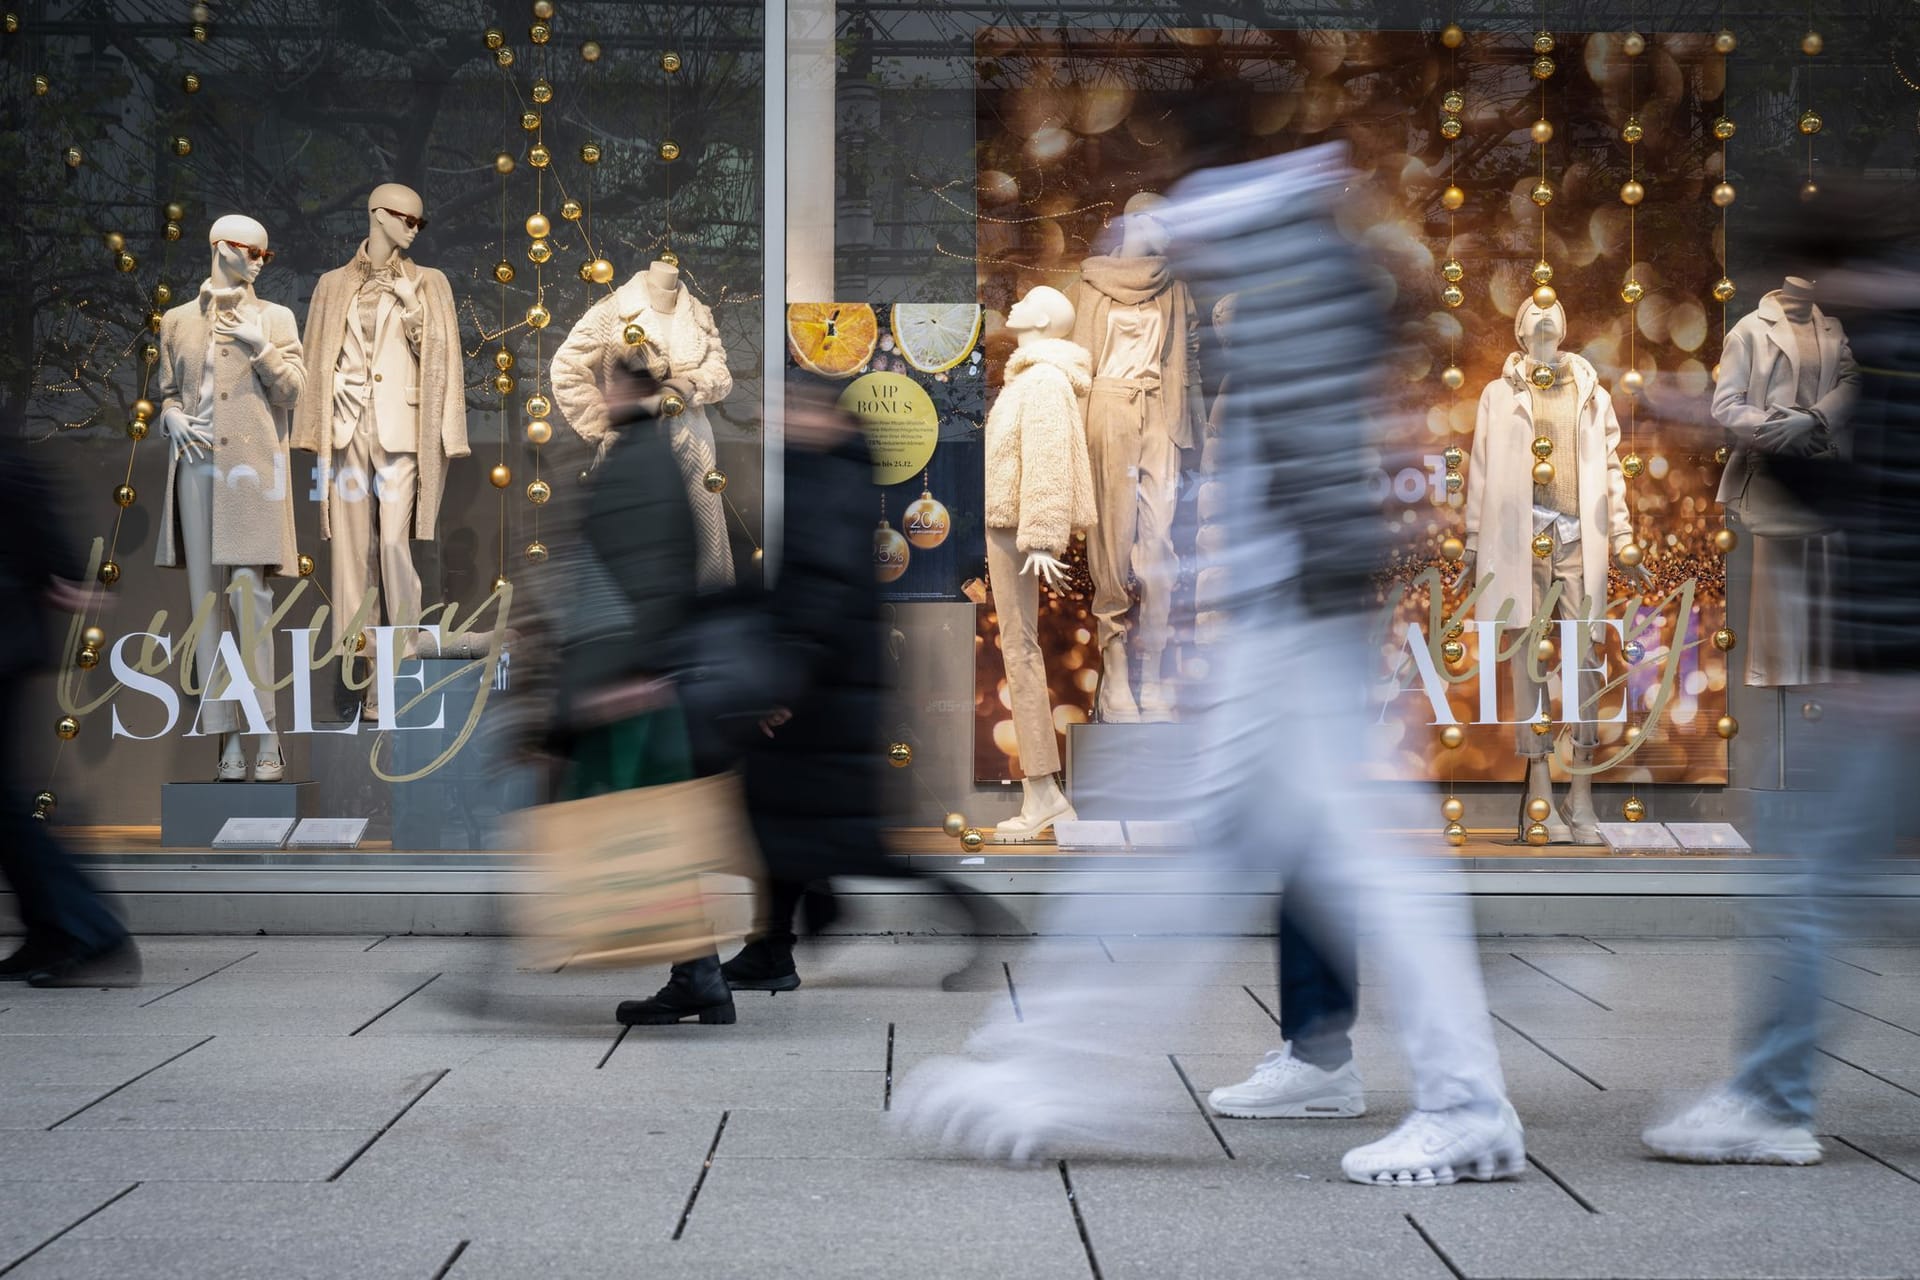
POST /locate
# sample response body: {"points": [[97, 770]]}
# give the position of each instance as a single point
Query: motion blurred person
{"points": [[72, 937], [1276, 789], [1862, 736], [815, 779]]}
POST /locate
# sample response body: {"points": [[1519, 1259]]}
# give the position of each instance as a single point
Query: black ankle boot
{"points": [[695, 990], [764, 964]]}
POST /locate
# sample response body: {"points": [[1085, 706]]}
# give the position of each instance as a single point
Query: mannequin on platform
{"points": [[1039, 494], [230, 371], [386, 411], [1786, 388], [1139, 325], [675, 335], [1545, 476]]}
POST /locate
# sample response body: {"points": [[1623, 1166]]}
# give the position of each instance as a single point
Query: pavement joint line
{"points": [[136, 1080], [1206, 1115], [147, 1004], [1877, 1159], [1885, 1022], [680, 1228], [376, 942], [608, 1055], [80, 1221], [1568, 985], [1079, 1221], [1875, 1074], [382, 1131], [1562, 1183], [452, 1258], [1274, 1018], [1550, 1053], [390, 1008], [1596, 942], [886, 1095], [1012, 992], [1434, 1245], [1106, 950], [1851, 965]]}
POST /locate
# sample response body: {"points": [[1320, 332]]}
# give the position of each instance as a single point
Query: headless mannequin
{"points": [[193, 440], [1043, 313]]}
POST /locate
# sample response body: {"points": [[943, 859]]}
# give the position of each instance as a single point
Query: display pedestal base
{"points": [[192, 813], [1121, 773]]}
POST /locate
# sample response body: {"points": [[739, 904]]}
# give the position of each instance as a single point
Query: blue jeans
{"points": [[1317, 978]]}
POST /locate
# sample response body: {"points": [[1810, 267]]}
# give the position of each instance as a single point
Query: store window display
{"points": [[229, 373]]}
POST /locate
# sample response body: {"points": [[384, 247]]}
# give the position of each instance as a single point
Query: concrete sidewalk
{"points": [[416, 1107]]}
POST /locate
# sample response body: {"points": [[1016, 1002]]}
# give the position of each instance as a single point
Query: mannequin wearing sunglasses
{"points": [[680, 347], [229, 375], [386, 409]]}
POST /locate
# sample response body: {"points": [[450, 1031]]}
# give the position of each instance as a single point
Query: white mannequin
{"points": [[1043, 315]]}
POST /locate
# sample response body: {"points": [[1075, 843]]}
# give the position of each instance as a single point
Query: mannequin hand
{"points": [[245, 331], [1785, 431], [191, 440], [1466, 569], [405, 292], [1641, 577], [1048, 569]]}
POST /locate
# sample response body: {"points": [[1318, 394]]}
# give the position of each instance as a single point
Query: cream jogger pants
{"points": [[1016, 599], [244, 605], [372, 495], [1136, 479]]}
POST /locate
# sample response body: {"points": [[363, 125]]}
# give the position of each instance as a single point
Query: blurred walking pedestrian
{"points": [[72, 937]]}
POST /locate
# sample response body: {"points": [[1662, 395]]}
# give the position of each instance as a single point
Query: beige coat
{"points": [[254, 486], [1500, 489], [688, 348], [1759, 377], [1039, 481], [1134, 281], [439, 398]]}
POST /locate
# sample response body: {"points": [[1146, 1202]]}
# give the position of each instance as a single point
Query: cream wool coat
{"points": [[1039, 481], [688, 349], [251, 412], [1500, 489]]}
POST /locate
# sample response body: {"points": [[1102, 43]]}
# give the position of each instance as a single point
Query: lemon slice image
{"points": [[933, 337], [832, 339]]}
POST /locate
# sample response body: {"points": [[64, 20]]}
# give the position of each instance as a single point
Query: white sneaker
{"points": [[1004, 1110], [1435, 1148], [1284, 1088], [1729, 1127]]}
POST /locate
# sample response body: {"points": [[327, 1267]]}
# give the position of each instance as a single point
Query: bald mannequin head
{"points": [[1540, 331], [1143, 231], [239, 245], [389, 207], [1044, 312]]}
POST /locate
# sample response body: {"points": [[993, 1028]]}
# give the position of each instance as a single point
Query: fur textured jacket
{"points": [[1039, 482]]}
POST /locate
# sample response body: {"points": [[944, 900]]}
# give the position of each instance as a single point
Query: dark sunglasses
{"points": [[253, 255], [408, 220]]}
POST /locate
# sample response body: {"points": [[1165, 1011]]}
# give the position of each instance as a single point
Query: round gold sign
{"points": [[902, 424]]}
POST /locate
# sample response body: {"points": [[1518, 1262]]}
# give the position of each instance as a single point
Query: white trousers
{"points": [[371, 499], [243, 604]]}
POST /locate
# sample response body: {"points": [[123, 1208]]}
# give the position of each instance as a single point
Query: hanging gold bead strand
{"points": [[1811, 47], [1454, 104]]}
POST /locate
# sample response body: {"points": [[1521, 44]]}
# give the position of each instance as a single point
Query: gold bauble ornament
{"points": [[1453, 457], [1725, 540], [590, 51], [1543, 42], [501, 475], [1634, 809], [538, 226], [538, 317], [1537, 834], [150, 354], [539, 33], [173, 231], [87, 659], [42, 86], [1632, 291], [633, 335], [571, 211], [1543, 545], [1811, 711], [1545, 651], [539, 492], [1542, 272], [1542, 446], [1453, 651], [303, 564], [1451, 198], [600, 271], [1453, 102], [543, 10], [1810, 122], [174, 211], [1723, 128], [891, 553], [93, 637], [503, 271], [124, 495], [1453, 295], [109, 573], [137, 429], [162, 294], [500, 582], [539, 157], [73, 156], [538, 406], [1539, 809], [199, 31], [1809, 189], [1541, 377], [1543, 68], [1632, 193], [1541, 131], [503, 383], [190, 82], [972, 841], [1453, 377], [1723, 194], [715, 481], [1452, 36], [1632, 131], [1544, 297], [539, 431], [494, 37], [1451, 736], [539, 251], [1724, 42], [1542, 193], [45, 802], [503, 359], [1451, 128], [115, 242], [1724, 639], [503, 56], [536, 551], [542, 92], [590, 153], [1453, 549], [143, 410], [125, 262], [1631, 466], [1726, 726], [670, 62], [1811, 44], [954, 825], [1631, 555], [1456, 835], [1455, 482], [66, 728], [154, 320], [1721, 454], [1541, 727], [1453, 809], [900, 754], [1633, 381], [1543, 473], [182, 145], [669, 150], [673, 404], [1723, 290]]}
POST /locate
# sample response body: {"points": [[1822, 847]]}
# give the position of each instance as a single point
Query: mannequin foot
{"points": [[233, 759], [268, 764], [1045, 804], [1115, 705], [1581, 817], [1156, 702]]}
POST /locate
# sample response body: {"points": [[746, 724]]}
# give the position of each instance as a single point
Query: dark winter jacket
{"points": [[35, 548]]}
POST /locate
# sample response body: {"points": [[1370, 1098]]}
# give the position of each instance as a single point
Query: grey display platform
{"points": [[1119, 772], [192, 813]]}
